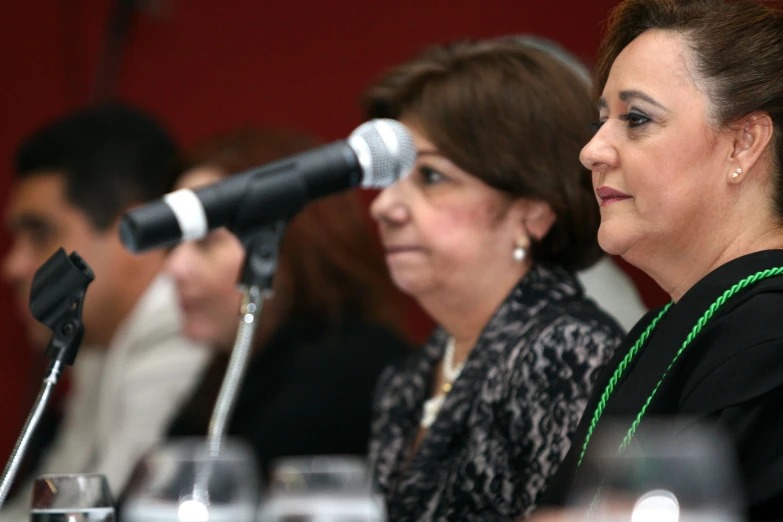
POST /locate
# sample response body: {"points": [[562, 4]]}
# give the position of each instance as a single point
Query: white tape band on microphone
{"points": [[189, 213]]}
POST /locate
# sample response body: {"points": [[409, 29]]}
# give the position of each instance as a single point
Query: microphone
{"points": [[375, 155]]}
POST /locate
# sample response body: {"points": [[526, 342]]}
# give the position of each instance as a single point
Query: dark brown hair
{"points": [[737, 49], [333, 265], [515, 117], [110, 155]]}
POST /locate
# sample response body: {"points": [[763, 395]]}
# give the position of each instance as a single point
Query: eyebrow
{"points": [[631, 94], [29, 222], [430, 152]]}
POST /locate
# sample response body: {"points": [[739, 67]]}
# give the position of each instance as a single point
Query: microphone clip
{"points": [[261, 251], [57, 299]]}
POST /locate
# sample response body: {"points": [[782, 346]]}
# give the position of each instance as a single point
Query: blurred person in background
{"points": [[487, 233], [330, 328], [74, 179]]}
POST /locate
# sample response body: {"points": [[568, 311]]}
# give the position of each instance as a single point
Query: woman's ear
{"points": [[751, 138], [537, 218]]}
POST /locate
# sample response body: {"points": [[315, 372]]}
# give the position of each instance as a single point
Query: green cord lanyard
{"points": [[758, 276], [618, 373]]}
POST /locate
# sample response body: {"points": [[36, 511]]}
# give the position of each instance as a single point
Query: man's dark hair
{"points": [[111, 156]]}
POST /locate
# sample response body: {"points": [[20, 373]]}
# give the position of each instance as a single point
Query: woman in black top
{"points": [[486, 233], [687, 170], [729, 374]]}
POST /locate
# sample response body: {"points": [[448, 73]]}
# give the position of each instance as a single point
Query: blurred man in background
{"points": [[74, 179]]}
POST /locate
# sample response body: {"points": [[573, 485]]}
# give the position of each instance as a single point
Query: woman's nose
{"points": [[390, 205], [599, 152]]}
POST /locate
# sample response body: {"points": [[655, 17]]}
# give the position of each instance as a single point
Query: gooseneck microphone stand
{"points": [[261, 250], [261, 246], [56, 300]]}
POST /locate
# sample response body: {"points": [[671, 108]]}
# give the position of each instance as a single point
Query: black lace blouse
{"points": [[505, 426]]}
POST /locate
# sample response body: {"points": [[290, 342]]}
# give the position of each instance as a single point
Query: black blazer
{"points": [[730, 374], [308, 392]]}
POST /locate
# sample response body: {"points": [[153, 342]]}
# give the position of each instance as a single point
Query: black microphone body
{"points": [[280, 189], [274, 192]]}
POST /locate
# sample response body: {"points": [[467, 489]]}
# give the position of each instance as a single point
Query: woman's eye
{"points": [[597, 125], [431, 176], [634, 119]]}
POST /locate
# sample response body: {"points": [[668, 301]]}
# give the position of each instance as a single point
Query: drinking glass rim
{"points": [[49, 476]]}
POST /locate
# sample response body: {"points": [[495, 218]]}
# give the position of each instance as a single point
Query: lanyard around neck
{"points": [[618, 373]]}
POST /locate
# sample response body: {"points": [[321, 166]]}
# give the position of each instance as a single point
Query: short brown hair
{"points": [[738, 56], [336, 266], [515, 117]]}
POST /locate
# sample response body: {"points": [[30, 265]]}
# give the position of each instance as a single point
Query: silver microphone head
{"points": [[385, 151]]}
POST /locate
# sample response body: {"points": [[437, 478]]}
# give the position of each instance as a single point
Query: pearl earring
{"points": [[519, 254], [736, 175]]}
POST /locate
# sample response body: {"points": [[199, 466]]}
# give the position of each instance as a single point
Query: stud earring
{"points": [[736, 175], [519, 253]]}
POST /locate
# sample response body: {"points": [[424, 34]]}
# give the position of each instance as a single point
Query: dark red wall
{"points": [[207, 66]]}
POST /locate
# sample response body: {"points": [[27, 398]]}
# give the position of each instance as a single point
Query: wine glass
{"points": [[321, 489], [671, 471], [71, 498], [186, 480]]}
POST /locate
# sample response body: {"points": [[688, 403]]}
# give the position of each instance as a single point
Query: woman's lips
{"points": [[608, 195], [400, 249]]}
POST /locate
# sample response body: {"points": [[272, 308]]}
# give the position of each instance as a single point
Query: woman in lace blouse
{"points": [[486, 233]]}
